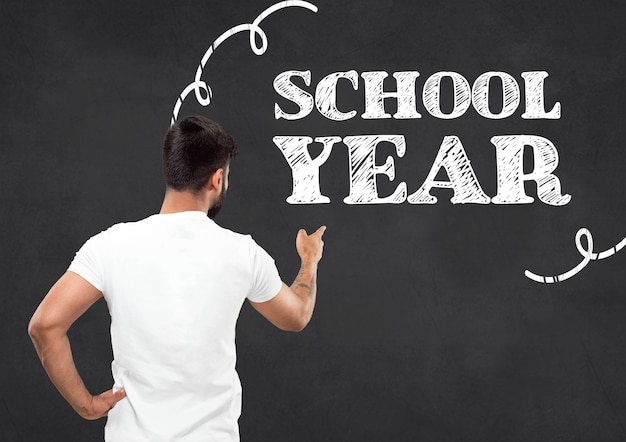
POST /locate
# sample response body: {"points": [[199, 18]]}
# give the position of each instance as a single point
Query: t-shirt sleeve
{"points": [[86, 263], [266, 282]]}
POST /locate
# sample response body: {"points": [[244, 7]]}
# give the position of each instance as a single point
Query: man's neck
{"points": [[182, 201]]}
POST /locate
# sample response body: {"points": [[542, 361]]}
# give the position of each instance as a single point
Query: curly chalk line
{"points": [[587, 253], [200, 87]]}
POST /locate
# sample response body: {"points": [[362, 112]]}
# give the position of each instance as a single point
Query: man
{"points": [[174, 284]]}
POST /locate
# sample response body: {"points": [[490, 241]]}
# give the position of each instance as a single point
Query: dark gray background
{"points": [[426, 328]]}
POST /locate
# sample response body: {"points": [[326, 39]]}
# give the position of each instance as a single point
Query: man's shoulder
{"points": [[124, 226], [241, 238], [132, 230], [120, 230]]}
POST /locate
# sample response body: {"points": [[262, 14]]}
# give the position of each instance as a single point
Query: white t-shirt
{"points": [[174, 285]]}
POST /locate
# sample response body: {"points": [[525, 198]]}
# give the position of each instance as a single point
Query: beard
{"points": [[213, 211]]}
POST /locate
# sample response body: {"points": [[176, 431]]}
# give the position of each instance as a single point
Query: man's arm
{"points": [[66, 301], [292, 307]]}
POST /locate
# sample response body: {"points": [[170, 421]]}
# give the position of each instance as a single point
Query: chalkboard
{"points": [[426, 326]]}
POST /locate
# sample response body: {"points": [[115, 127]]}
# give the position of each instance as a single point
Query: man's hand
{"points": [[101, 404], [292, 307], [310, 247]]}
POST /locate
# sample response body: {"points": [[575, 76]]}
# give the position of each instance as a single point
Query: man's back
{"points": [[174, 285]]}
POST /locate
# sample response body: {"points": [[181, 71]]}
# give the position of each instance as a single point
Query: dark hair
{"points": [[193, 149]]}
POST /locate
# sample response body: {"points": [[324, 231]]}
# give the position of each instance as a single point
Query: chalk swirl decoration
{"points": [[587, 254], [202, 90]]}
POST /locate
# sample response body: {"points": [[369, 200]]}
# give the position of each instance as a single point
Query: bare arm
{"points": [[292, 308], [66, 301]]}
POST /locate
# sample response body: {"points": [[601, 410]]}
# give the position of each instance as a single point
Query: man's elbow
{"points": [[34, 328], [297, 324], [43, 335], [39, 329]]}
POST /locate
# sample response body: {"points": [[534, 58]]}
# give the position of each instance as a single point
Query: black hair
{"points": [[194, 149]]}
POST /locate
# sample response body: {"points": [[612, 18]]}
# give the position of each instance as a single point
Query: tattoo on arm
{"points": [[305, 286], [310, 287]]}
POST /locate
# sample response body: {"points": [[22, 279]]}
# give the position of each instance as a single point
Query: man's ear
{"points": [[215, 181]]}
